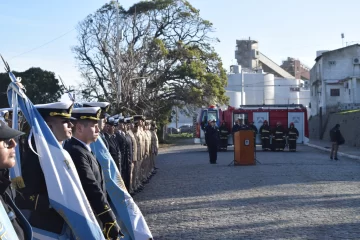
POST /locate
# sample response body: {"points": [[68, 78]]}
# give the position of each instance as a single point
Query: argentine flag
{"points": [[127, 212], [63, 184]]}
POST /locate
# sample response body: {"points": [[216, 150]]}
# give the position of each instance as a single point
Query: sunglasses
{"points": [[9, 143]]}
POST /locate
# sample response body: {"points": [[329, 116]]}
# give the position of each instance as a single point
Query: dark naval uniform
{"points": [[127, 161], [293, 135], [114, 149], [124, 149], [212, 140], [92, 180], [33, 200]]}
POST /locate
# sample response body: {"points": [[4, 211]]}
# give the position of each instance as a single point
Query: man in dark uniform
{"points": [[236, 126], [86, 131], [7, 160], [114, 149], [292, 135], [105, 106], [265, 136], [33, 199], [224, 133], [279, 137], [128, 156], [124, 147], [212, 140], [255, 130]]}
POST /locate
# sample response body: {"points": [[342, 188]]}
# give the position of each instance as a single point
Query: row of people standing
{"points": [[133, 144], [278, 135], [75, 130]]}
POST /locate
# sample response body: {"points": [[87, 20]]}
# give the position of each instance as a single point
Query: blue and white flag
{"points": [[127, 212], [7, 230], [62, 181]]}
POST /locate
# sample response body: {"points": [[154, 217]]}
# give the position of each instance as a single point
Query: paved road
{"points": [[302, 195]]}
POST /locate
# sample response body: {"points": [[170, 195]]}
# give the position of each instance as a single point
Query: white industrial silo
{"points": [[234, 98], [269, 89]]}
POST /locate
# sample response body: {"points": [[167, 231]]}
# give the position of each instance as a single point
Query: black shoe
{"points": [[336, 159], [331, 158]]}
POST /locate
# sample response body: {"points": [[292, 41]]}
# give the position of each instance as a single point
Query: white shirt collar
{"points": [[86, 146]]}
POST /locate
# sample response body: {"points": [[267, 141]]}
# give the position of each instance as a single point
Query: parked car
{"points": [[186, 129], [172, 130]]}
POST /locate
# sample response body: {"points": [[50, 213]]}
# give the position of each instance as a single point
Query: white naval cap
{"points": [[105, 106], [87, 113], [56, 109]]}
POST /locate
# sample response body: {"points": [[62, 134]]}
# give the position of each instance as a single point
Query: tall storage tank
{"points": [[269, 89], [234, 98]]}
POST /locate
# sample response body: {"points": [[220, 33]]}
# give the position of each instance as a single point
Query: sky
{"points": [[40, 33]]}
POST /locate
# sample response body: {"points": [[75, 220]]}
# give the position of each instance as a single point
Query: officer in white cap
{"points": [[105, 106], [86, 131], [212, 140], [34, 200]]}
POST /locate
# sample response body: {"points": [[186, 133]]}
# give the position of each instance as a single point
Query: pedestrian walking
{"points": [[336, 139]]}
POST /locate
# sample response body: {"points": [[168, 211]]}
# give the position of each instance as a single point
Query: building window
{"points": [[332, 62], [335, 92]]}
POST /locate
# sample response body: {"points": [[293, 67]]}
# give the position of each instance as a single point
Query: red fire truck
{"points": [[284, 113]]}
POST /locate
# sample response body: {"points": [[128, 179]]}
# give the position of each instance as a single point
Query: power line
{"points": [[43, 44]]}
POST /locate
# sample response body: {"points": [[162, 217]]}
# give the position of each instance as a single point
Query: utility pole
{"points": [[242, 87], [118, 54], [176, 117]]}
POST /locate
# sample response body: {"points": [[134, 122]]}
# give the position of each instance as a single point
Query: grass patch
{"points": [[181, 135], [349, 111], [176, 139]]}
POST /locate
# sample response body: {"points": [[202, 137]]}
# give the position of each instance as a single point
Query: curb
{"points": [[329, 150]]}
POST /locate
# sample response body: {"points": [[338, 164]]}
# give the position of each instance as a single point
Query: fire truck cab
{"points": [[204, 115]]}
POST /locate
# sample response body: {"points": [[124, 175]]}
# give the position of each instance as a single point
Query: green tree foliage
{"points": [[41, 86], [166, 58]]}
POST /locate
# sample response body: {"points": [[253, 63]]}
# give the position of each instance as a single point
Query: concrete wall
{"points": [[348, 126]]}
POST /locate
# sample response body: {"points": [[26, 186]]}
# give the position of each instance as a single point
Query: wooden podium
{"points": [[244, 148]]}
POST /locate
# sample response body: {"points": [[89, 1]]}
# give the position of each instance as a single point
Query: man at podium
{"points": [[212, 140]]}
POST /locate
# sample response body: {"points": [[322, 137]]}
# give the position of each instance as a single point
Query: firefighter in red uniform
{"points": [[265, 136], [292, 135]]}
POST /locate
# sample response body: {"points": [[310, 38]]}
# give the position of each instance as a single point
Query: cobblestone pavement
{"points": [[302, 195]]}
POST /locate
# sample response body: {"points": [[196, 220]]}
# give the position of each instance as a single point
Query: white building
{"points": [[335, 79], [249, 87]]}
